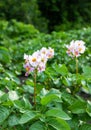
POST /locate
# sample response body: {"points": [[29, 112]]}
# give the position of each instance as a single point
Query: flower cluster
{"points": [[37, 61], [76, 48]]}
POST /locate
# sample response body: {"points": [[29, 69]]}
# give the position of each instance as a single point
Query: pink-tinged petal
{"points": [[26, 74], [50, 52], [76, 48], [37, 60]]}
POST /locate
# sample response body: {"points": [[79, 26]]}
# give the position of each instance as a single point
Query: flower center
{"points": [[34, 60]]}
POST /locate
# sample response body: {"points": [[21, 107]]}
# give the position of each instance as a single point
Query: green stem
{"points": [[76, 65], [76, 89], [35, 75]]}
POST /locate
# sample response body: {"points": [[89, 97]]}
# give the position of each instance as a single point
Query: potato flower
{"points": [[34, 59], [27, 65], [37, 61], [76, 48], [44, 51], [50, 52]]}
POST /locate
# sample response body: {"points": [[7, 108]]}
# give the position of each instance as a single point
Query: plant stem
{"points": [[35, 75], [76, 87], [76, 65]]}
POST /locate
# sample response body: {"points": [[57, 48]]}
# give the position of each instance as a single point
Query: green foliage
{"points": [[27, 116], [4, 113], [38, 125], [59, 124], [63, 15], [48, 15], [85, 127], [25, 11], [59, 103], [4, 55], [57, 113], [50, 96]]}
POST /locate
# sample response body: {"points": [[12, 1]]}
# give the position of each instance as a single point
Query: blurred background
{"points": [[48, 15]]}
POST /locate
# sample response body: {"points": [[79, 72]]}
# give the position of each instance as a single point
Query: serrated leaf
{"points": [[55, 112]]}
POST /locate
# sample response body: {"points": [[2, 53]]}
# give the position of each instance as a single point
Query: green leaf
{"points": [[68, 98], [27, 103], [85, 127], [89, 87], [4, 97], [62, 69], [78, 107], [8, 103], [87, 71], [88, 109], [27, 116], [74, 122], [28, 88], [52, 95], [1, 93], [38, 126], [66, 82], [22, 104], [55, 112], [4, 113], [4, 55], [59, 124], [19, 104], [49, 98], [13, 120]]}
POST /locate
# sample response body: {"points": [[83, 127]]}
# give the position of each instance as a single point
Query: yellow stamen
{"points": [[27, 68], [34, 60]]}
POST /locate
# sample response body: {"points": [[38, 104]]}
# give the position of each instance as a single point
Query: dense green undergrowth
{"points": [[60, 105]]}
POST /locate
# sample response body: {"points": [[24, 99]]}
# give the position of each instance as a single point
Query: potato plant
{"points": [[63, 97]]}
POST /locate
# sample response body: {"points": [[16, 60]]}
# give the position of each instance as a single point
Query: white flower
{"points": [[43, 58], [38, 60], [26, 57], [35, 59], [81, 46], [50, 52], [41, 67], [44, 51], [76, 48]]}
